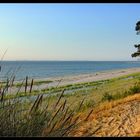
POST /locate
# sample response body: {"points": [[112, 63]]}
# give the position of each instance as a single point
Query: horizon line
{"points": [[69, 60]]}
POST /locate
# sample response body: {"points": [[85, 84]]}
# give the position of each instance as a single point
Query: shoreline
{"points": [[115, 71], [82, 78], [77, 79]]}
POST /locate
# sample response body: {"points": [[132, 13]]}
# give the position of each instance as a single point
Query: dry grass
{"points": [[108, 105]]}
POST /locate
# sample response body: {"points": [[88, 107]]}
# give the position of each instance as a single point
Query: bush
{"points": [[135, 89], [90, 103], [107, 96]]}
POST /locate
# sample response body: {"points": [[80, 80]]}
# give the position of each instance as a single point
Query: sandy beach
{"points": [[89, 77], [82, 78]]}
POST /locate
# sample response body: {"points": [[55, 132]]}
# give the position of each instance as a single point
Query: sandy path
{"points": [[121, 120]]}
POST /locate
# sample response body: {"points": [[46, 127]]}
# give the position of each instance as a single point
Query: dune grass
{"points": [[33, 118], [37, 118]]}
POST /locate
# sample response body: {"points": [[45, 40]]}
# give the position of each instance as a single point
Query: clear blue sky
{"points": [[68, 31]]}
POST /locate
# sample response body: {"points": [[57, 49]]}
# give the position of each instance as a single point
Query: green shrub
{"points": [[107, 96], [90, 103], [119, 95], [135, 89]]}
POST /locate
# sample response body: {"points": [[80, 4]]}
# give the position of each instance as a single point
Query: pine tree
{"points": [[137, 29]]}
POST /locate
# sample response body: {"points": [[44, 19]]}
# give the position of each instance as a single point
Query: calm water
{"points": [[44, 69]]}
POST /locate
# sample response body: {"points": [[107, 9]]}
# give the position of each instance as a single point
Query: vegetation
{"points": [[132, 90], [35, 83], [137, 28], [36, 119]]}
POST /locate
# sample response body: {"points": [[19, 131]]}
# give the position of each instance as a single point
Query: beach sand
{"points": [[82, 78]]}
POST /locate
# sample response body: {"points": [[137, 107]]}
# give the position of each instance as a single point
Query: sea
{"points": [[48, 69]]}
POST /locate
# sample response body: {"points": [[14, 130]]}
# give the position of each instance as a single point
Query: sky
{"points": [[93, 32]]}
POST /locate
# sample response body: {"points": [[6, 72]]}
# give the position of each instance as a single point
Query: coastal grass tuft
{"points": [[35, 118]]}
